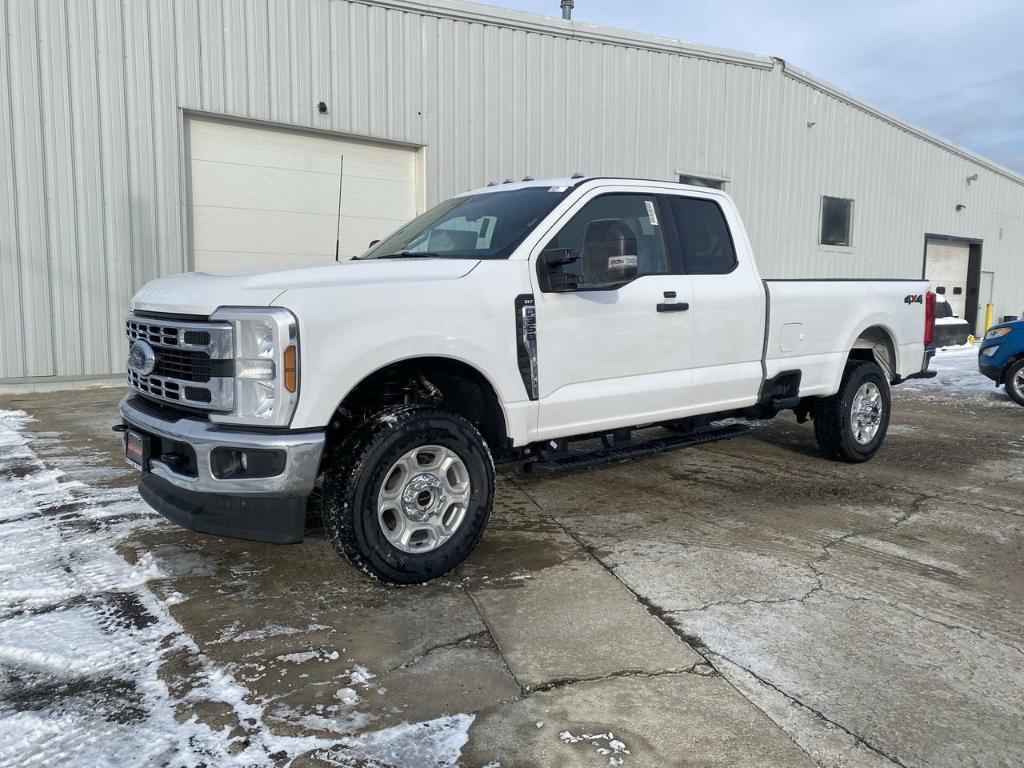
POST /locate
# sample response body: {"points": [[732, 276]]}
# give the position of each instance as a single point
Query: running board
{"points": [[634, 451]]}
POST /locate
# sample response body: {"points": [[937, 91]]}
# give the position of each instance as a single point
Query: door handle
{"points": [[676, 306]]}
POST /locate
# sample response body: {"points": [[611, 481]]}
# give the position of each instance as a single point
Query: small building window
{"points": [[836, 221], [701, 181]]}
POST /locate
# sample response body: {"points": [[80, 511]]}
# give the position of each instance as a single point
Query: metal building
{"points": [[145, 137]]}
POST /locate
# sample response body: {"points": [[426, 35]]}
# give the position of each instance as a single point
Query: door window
{"points": [[614, 239], [702, 234]]}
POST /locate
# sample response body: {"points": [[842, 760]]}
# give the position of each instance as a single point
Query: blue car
{"points": [[1001, 357]]}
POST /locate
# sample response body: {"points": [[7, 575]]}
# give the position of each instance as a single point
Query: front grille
{"points": [[184, 364], [155, 386], [194, 362], [154, 333]]}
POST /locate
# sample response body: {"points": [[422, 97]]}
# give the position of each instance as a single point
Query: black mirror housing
{"points": [[559, 257]]}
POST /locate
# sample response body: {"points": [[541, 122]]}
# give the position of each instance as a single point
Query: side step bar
{"points": [[632, 451]]}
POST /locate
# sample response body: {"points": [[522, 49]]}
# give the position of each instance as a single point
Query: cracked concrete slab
{"points": [[667, 720], [931, 680], [577, 623]]}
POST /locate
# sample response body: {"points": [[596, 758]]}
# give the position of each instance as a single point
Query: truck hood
{"points": [[200, 293]]}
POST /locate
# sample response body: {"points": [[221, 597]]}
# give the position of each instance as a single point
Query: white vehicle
{"points": [[509, 321]]}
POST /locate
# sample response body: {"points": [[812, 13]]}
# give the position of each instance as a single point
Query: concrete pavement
{"points": [[745, 603]]}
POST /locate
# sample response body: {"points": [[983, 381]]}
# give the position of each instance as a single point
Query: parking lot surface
{"points": [[743, 603]]}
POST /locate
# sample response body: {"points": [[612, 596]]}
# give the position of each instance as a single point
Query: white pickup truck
{"points": [[519, 321]]}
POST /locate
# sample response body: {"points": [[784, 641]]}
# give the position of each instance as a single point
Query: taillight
{"points": [[929, 319]]}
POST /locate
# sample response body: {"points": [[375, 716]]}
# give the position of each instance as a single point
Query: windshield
{"points": [[485, 226]]}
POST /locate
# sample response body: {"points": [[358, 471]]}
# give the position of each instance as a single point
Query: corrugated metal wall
{"points": [[92, 179]]}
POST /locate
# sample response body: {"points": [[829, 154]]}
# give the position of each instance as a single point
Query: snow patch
{"points": [[82, 640], [958, 381], [433, 744], [605, 744]]}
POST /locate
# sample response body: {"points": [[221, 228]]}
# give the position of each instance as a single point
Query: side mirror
{"points": [[609, 252], [373, 242], [553, 279]]}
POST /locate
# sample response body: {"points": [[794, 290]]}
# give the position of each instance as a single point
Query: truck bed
{"points": [[811, 327]]}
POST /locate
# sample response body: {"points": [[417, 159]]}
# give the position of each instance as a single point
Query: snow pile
{"points": [[82, 640]]}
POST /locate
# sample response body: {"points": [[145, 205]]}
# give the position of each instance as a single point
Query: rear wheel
{"points": [[851, 425], [1014, 381], [410, 498]]}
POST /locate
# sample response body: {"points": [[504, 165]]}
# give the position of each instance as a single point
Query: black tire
{"points": [[1014, 382], [833, 417], [352, 483]]}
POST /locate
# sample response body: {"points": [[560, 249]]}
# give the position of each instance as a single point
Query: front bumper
{"points": [[259, 508], [993, 372]]}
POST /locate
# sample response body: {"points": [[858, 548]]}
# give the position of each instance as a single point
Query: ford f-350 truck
{"points": [[514, 321]]}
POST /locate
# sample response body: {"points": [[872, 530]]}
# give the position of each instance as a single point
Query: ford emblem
{"points": [[141, 358]]}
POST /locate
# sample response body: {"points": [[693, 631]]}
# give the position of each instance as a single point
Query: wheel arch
{"points": [[876, 344], [444, 381], [1010, 362]]}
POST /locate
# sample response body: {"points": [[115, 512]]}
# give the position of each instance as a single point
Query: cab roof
{"points": [[562, 183]]}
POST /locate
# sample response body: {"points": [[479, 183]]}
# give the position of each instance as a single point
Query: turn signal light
{"points": [[291, 369]]}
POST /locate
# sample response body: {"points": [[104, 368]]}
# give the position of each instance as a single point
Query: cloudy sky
{"points": [[953, 67]]}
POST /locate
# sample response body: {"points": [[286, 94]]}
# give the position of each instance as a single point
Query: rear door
{"points": [[728, 301], [612, 356]]}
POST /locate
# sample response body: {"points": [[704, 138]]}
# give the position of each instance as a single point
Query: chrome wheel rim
{"points": [[866, 413], [1018, 382], [424, 499]]}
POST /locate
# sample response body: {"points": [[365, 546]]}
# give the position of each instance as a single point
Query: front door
{"points": [[613, 342]]}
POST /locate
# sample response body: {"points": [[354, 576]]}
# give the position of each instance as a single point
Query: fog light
{"points": [[990, 352], [228, 463]]}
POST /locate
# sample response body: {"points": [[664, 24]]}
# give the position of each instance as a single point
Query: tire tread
{"points": [[345, 472], [829, 415]]}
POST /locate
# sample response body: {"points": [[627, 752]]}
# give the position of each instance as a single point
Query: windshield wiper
{"points": [[412, 254]]}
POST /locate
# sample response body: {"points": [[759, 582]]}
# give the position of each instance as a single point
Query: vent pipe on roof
{"points": [[567, 6]]}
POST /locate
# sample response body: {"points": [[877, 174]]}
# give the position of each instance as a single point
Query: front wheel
{"points": [[851, 425], [1014, 381], [412, 496]]}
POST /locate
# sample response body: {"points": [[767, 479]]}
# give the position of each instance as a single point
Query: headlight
{"points": [[266, 365], [997, 333]]}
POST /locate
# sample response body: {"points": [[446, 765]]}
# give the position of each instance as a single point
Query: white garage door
{"points": [[267, 197], [946, 266]]}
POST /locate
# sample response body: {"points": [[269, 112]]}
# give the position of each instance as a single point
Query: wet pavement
{"points": [[742, 603]]}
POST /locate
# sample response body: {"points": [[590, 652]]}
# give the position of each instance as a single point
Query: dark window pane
{"points": [[836, 216], [635, 215], [704, 237]]}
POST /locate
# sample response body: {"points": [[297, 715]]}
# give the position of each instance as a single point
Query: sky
{"points": [[952, 67]]}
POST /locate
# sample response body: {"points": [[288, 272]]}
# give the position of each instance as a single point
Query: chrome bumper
{"points": [[302, 451]]}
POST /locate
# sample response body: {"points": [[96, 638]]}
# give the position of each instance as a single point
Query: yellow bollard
{"points": [[989, 311]]}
